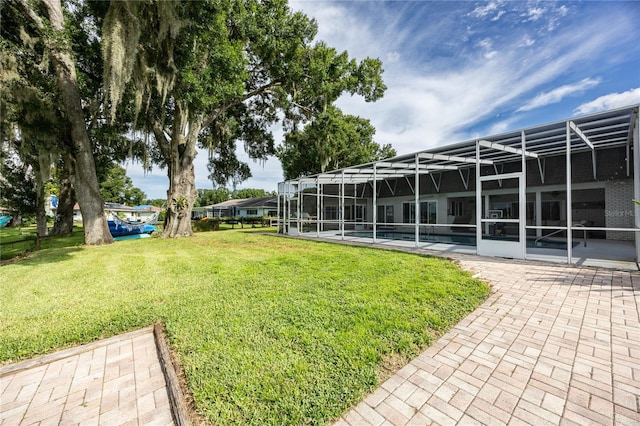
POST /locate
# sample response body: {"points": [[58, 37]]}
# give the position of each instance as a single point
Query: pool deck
{"points": [[597, 253], [552, 345]]}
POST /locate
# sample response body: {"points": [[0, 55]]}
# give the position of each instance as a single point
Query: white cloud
{"points": [[535, 13], [559, 93], [526, 42], [434, 98], [393, 57], [498, 16], [610, 101], [482, 11], [487, 47]]}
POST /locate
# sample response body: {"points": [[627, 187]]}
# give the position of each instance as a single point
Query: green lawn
{"points": [[269, 330], [16, 241]]}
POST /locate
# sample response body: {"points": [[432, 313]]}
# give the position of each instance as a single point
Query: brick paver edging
{"points": [[66, 353], [177, 401]]}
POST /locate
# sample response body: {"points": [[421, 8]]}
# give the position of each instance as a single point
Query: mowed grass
{"points": [[16, 241], [269, 330]]}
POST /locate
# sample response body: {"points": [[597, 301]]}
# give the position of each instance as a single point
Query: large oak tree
{"points": [[47, 21], [214, 72]]}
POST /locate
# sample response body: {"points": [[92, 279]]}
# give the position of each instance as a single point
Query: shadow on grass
{"points": [[44, 256]]}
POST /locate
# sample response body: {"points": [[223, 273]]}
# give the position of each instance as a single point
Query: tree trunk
{"points": [[41, 215], [180, 199], [63, 224], [182, 192], [96, 230]]}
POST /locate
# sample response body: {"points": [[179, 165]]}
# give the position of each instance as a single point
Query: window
{"points": [[354, 213], [456, 208], [385, 214], [427, 212], [408, 212], [252, 212], [331, 213], [551, 210]]}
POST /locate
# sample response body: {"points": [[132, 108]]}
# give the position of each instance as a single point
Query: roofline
{"points": [[470, 142]]}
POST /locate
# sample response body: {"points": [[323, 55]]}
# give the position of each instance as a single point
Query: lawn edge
{"points": [[179, 407]]}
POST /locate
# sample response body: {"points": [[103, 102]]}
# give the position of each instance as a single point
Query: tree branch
{"points": [[215, 114], [31, 14]]}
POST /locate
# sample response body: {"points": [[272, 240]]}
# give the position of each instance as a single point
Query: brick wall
{"points": [[619, 208]]}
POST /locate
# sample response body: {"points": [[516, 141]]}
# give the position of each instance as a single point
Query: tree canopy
{"points": [[207, 197], [252, 193], [158, 80], [117, 187], [331, 141], [214, 73]]}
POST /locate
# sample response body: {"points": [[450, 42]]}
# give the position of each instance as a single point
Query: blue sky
{"points": [[456, 70]]}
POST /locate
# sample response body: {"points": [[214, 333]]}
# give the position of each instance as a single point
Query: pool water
{"points": [[465, 240]]}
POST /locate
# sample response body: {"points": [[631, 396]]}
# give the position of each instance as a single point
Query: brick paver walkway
{"points": [[110, 382], [552, 345]]}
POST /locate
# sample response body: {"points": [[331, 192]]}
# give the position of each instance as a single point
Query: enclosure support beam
{"points": [[506, 148], [495, 168], [636, 177], [410, 184], [342, 207], [393, 192], [452, 158], [300, 206], [465, 179], [375, 202], [278, 209], [523, 198], [436, 184], [569, 208], [318, 207], [417, 202], [538, 213], [541, 168], [478, 198]]}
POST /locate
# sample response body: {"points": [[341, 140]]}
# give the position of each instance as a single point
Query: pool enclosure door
{"points": [[501, 210]]}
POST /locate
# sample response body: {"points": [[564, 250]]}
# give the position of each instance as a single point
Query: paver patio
{"points": [[552, 345], [110, 382]]}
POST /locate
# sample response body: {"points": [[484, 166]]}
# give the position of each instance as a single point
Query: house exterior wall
{"points": [[544, 178], [619, 209]]}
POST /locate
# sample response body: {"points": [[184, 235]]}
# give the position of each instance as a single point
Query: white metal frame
{"points": [[609, 129]]}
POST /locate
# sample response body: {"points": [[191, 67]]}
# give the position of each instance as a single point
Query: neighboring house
{"points": [[560, 190], [242, 207], [128, 213]]}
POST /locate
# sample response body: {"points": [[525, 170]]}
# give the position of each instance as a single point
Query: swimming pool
{"points": [[461, 239]]}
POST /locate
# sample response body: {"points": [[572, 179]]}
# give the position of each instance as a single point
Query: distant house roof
{"points": [[122, 208], [248, 202]]}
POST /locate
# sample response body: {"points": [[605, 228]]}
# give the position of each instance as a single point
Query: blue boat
{"points": [[120, 228], [4, 220]]}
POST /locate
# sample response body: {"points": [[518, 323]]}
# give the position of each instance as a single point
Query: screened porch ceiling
{"points": [[587, 134]]}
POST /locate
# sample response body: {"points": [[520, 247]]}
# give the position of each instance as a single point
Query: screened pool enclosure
{"points": [[563, 191]]}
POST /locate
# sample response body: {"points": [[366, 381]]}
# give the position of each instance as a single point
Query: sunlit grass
{"points": [[269, 330]]}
